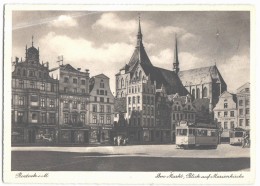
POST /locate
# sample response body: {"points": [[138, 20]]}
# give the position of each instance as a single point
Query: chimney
{"points": [[78, 69], [47, 63], [16, 60]]}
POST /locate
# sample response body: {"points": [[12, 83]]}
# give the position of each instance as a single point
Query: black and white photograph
{"points": [[164, 92]]}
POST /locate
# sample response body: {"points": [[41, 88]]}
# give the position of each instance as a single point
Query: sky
{"points": [[103, 42]]}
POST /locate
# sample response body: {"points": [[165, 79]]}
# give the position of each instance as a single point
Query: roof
{"points": [[68, 67], [234, 96], [168, 78], [200, 76], [120, 105], [101, 76]]}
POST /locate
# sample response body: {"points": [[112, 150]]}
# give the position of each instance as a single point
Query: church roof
{"points": [[168, 78], [201, 75]]}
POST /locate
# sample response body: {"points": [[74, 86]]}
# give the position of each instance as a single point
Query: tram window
{"points": [[238, 134], [181, 132], [201, 132]]}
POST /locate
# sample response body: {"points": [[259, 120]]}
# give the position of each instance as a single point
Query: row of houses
{"points": [[60, 105]]}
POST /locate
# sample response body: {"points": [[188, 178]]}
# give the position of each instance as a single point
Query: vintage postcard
{"points": [[129, 94]]}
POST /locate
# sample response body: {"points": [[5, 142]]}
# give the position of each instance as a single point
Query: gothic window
{"points": [[205, 92], [193, 93], [198, 93], [122, 82], [140, 74]]}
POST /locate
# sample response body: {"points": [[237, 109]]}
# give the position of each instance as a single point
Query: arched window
{"points": [[122, 82], [140, 75], [193, 93], [198, 93], [205, 92]]}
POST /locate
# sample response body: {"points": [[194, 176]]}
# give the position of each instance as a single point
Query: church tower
{"points": [[176, 68]]}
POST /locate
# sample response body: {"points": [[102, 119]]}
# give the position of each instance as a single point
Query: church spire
{"points": [[32, 40], [176, 68], [139, 35]]}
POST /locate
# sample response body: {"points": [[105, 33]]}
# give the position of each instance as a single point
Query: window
{"points": [[225, 114], [43, 117], [247, 111], [148, 100], [102, 84], [74, 118], [94, 108], [108, 108], [66, 118], [83, 90], [82, 105], [129, 110], [75, 90], [122, 82], [129, 100], [232, 125], [225, 105], [52, 87], [31, 73], [20, 117], [247, 102], [205, 92], [101, 108], [152, 110], [102, 99], [219, 114], [42, 86], [133, 99], [102, 119], [34, 118], [144, 99], [95, 98], [138, 99], [52, 103], [193, 93], [240, 111], [240, 102], [74, 104], [66, 79], [32, 84], [107, 100], [21, 84], [102, 92], [21, 100], [173, 116], [66, 104], [225, 125], [232, 113], [65, 89], [24, 72], [42, 102], [108, 119], [94, 119], [75, 81], [152, 100], [97, 92], [82, 118], [247, 122], [241, 122], [83, 82], [198, 93]]}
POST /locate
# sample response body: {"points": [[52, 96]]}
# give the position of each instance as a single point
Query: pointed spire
{"points": [[32, 40], [26, 52], [176, 68], [139, 34]]}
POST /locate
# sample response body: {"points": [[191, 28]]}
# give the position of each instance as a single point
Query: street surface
{"points": [[130, 158]]}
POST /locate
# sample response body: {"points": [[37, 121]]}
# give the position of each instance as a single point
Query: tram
{"points": [[237, 136], [196, 135]]}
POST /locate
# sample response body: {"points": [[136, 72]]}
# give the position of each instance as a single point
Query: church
{"points": [[139, 83]]}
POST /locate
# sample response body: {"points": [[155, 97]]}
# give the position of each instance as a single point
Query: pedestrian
{"points": [[118, 140], [115, 140]]}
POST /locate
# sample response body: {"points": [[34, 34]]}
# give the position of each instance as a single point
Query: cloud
{"points": [[164, 59], [64, 21], [81, 53], [111, 21], [188, 61]]}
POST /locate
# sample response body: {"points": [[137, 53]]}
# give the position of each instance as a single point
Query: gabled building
{"points": [[34, 101], [225, 113], [73, 104], [243, 106], [101, 110]]}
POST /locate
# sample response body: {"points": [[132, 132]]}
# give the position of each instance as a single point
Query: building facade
{"points": [[182, 110], [225, 113], [73, 104], [101, 110], [34, 101], [243, 106]]}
